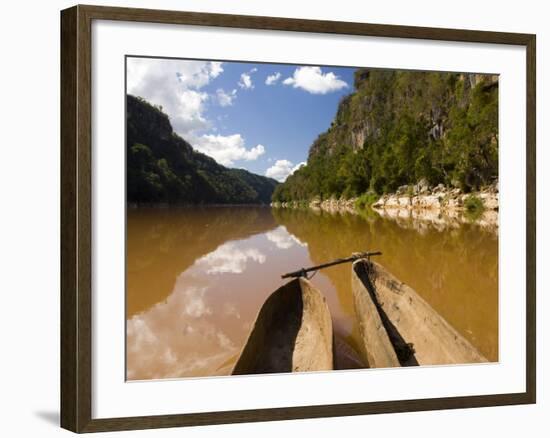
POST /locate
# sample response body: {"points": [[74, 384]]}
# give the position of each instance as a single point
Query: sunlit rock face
{"points": [[441, 206]]}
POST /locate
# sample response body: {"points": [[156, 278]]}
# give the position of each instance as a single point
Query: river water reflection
{"points": [[196, 278]]}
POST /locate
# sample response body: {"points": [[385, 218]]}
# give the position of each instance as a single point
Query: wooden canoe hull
{"points": [[292, 333], [420, 335], [378, 350]]}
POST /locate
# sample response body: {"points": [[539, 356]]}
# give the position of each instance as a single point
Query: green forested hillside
{"points": [[164, 168], [398, 127]]}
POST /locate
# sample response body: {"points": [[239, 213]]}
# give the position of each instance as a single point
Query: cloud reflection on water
{"points": [[182, 336], [283, 239], [228, 258], [213, 282], [201, 326]]}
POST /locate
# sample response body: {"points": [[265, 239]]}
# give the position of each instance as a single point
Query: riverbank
{"points": [[423, 197], [439, 206]]}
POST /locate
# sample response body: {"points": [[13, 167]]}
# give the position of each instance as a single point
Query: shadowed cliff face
{"points": [[163, 168]]}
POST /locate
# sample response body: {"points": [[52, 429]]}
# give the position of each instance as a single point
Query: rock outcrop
{"points": [[420, 207], [423, 197]]}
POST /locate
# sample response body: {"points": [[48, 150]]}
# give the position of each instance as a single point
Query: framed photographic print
{"points": [[268, 218]]}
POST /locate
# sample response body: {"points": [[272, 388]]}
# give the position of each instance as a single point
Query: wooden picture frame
{"points": [[76, 217]]}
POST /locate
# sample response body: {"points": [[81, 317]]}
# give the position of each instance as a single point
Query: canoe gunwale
{"points": [[404, 350], [411, 322], [292, 332]]}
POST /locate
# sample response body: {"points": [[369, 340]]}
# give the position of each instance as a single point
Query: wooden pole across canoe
{"points": [[355, 256]]}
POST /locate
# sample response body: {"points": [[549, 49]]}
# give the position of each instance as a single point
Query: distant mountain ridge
{"points": [[164, 168]]}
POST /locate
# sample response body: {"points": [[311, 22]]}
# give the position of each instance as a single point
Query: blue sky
{"points": [[232, 112]]}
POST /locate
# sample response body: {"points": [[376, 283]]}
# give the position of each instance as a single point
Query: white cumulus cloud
{"points": [[215, 69], [226, 98], [246, 79], [227, 149], [272, 79], [282, 169], [175, 85], [313, 80], [178, 87], [246, 82]]}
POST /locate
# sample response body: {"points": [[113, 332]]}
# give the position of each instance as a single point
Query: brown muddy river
{"points": [[196, 278]]}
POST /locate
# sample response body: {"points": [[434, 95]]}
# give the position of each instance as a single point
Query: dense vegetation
{"points": [[164, 168], [399, 127]]}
